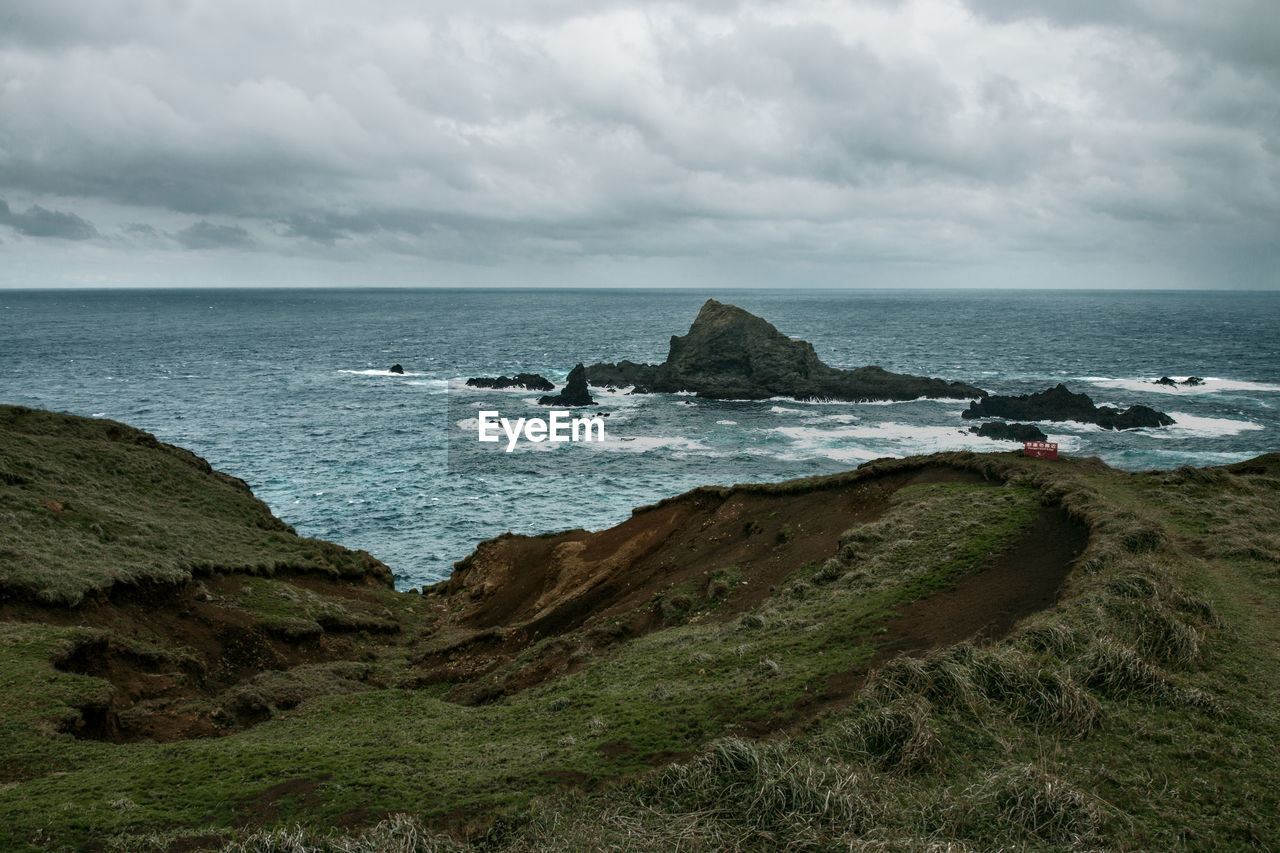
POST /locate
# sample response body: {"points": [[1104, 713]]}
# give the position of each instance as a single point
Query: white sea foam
{"points": [[727, 423], [1212, 384], [783, 410], [951, 400], [622, 398], [888, 438], [839, 419], [436, 386], [1186, 424]]}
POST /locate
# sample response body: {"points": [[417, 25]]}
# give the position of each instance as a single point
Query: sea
{"points": [[291, 390]]}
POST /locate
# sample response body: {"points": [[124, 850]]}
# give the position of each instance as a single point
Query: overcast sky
{"points": [[1098, 143]]}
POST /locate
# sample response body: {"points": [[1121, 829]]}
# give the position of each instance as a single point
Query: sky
{"points": [[921, 143]]}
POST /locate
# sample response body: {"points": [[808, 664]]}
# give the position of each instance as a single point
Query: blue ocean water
{"points": [[289, 390]]}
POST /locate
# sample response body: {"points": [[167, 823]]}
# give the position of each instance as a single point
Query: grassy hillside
{"points": [[974, 650], [88, 504]]}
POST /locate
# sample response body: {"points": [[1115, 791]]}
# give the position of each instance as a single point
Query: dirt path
{"points": [[983, 606]]}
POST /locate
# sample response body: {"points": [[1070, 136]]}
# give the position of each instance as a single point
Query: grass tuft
{"points": [[897, 736]]}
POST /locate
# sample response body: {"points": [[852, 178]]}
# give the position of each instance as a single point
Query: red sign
{"points": [[1040, 449]]}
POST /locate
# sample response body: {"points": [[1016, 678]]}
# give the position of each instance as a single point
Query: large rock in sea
{"points": [[531, 381], [732, 354], [574, 393], [1060, 404], [1001, 431]]}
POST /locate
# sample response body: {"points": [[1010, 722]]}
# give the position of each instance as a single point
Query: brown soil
{"points": [[592, 590], [980, 607], [263, 809], [212, 646], [570, 594]]}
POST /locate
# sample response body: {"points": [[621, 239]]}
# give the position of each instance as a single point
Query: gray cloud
{"points": [[206, 235], [39, 222], [1242, 32], [976, 137]]}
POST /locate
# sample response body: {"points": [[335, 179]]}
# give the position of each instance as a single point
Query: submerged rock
{"points": [[574, 393], [1002, 431], [1060, 404], [730, 353], [531, 381], [1164, 380], [395, 368], [1193, 380]]}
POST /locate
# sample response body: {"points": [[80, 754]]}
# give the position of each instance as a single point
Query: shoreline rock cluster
{"points": [[529, 381], [1060, 404], [731, 354]]}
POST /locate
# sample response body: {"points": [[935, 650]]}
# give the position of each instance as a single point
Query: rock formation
{"points": [[1002, 431], [531, 381], [1059, 404], [396, 368], [574, 393], [1190, 380], [729, 353]]}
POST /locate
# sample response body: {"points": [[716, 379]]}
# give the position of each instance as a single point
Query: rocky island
{"points": [[731, 354], [1060, 404]]}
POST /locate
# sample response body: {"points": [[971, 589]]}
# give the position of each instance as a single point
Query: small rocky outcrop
{"points": [[531, 381], [1001, 431], [574, 393], [732, 354], [1191, 381], [1060, 404], [396, 368]]}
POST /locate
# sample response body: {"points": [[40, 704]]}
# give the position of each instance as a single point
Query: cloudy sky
{"points": [[1099, 143]]}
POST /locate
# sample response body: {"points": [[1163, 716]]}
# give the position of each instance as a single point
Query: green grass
{"points": [[87, 504], [1138, 713], [1096, 725]]}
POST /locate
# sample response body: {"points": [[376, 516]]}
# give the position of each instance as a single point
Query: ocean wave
{"points": [[1186, 424], [644, 443], [887, 438], [621, 398], [951, 400], [372, 372], [726, 423], [1212, 384]]}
